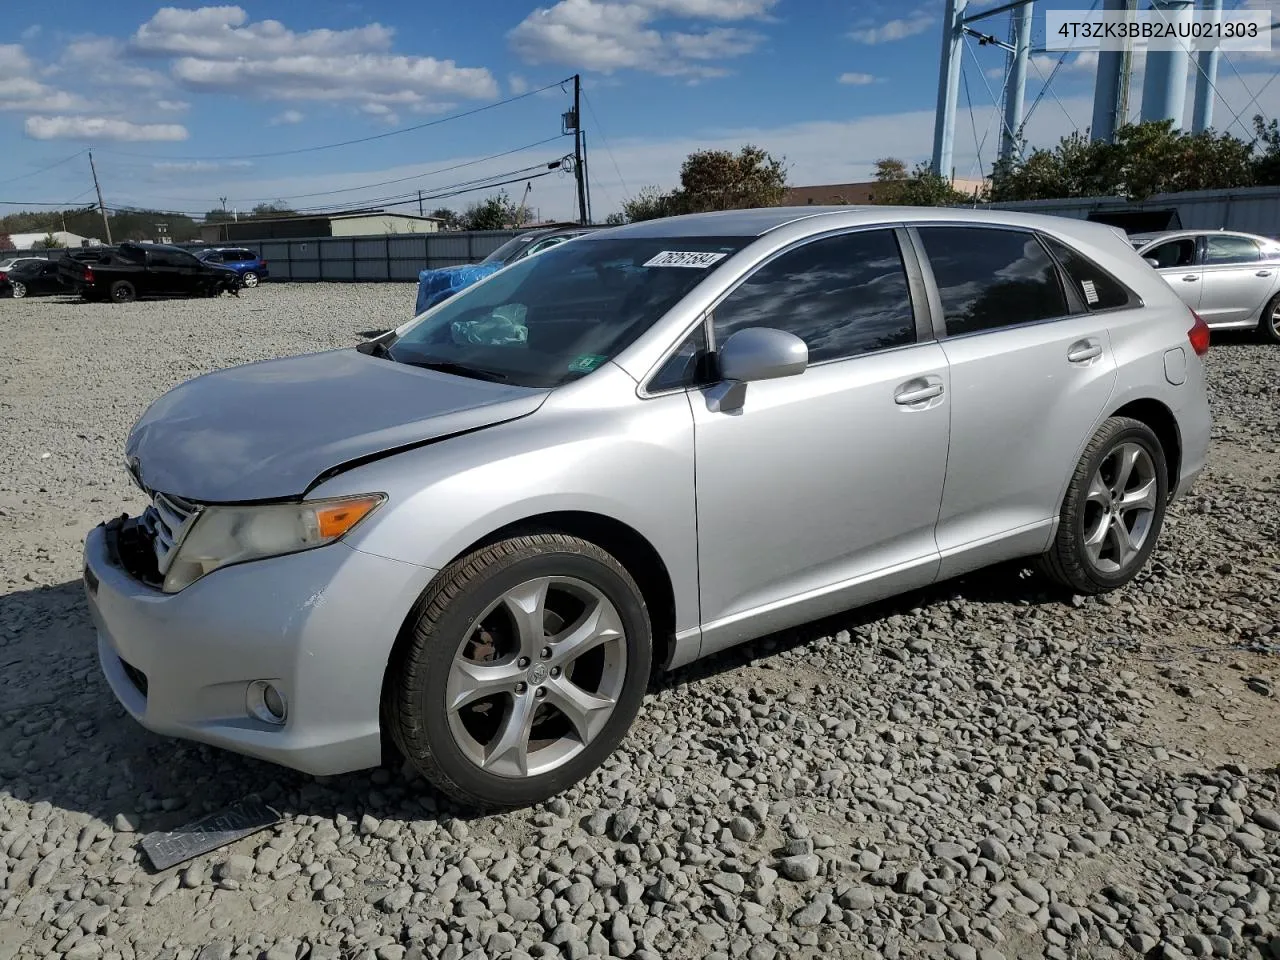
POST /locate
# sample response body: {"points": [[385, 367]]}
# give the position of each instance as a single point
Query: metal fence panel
{"points": [[374, 270]]}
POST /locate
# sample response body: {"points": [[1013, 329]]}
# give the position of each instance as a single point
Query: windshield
{"points": [[510, 249], [555, 317]]}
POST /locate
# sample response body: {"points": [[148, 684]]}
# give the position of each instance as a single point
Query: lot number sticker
{"points": [[685, 258], [1090, 291]]}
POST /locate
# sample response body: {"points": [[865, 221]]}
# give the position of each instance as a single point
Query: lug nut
{"points": [[546, 653], [523, 662], [540, 693], [555, 672], [521, 688]]}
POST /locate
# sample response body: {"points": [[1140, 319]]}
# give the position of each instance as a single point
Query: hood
{"points": [[267, 430], [437, 285]]}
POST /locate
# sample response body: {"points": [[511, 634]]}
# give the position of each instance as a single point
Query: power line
{"points": [[626, 191], [346, 143], [56, 163]]}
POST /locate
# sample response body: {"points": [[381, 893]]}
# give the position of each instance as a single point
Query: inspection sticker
{"points": [[1090, 291], [586, 363], [699, 260]]}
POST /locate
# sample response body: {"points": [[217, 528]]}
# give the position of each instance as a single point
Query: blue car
{"points": [[443, 282], [251, 267]]}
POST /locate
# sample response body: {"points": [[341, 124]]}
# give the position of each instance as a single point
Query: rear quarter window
{"points": [[1097, 288]]}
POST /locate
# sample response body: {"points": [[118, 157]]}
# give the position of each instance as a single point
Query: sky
{"points": [[185, 106]]}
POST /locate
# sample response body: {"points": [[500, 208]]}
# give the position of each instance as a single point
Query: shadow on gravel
{"points": [[64, 738]]}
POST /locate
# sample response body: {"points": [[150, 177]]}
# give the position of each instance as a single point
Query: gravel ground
{"points": [[982, 770]]}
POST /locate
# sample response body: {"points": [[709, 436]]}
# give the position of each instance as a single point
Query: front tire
{"points": [[122, 292], [249, 279], [523, 671], [1113, 511], [19, 289], [1269, 325]]}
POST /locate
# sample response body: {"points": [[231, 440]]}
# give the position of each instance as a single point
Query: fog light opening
{"points": [[267, 702]]}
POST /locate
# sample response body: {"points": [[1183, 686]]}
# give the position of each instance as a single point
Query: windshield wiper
{"points": [[373, 348], [460, 369]]}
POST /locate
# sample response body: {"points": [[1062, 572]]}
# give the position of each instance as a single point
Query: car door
{"points": [[822, 490], [1237, 283], [1029, 378], [46, 281], [1179, 264]]}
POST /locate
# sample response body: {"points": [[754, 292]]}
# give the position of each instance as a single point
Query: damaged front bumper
{"points": [[187, 664]]}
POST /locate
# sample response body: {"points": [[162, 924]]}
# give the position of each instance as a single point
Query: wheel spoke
{"points": [[1126, 460], [1125, 548], [527, 605], [598, 625], [1097, 536], [470, 681], [1140, 498], [586, 711], [509, 754], [1098, 492]]}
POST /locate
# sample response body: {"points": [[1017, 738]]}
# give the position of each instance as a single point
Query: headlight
{"points": [[224, 535]]}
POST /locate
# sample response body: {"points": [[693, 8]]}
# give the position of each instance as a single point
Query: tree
{"points": [[1266, 166], [218, 215], [615, 219], [6, 242], [49, 242], [1146, 159], [890, 168], [716, 180], [923, 188], [492, 213], [276, 209], [449, 219]]}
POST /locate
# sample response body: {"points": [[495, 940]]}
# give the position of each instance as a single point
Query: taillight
{"points": [[1199, 335], [88, 274]]}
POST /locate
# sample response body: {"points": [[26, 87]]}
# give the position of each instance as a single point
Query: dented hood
{"points": [[268, 430]]}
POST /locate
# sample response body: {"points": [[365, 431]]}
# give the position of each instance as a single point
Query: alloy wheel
{"points": [[19, 289], [1120, 507], [250, 279], [1275, 321], [537, 678]]}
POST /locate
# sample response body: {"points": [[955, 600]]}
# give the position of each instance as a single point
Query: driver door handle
{"points": [[916, 391], [1190, 279], [1084, 351], [1264, 273]]}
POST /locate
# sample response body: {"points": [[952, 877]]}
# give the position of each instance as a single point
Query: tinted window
{"points": [[1230, 250], [843, 296], [1271, 252], [1175, 253], [172, 258], [1097, 288], [549, 319], [687, 367], [239, 256], [212, 257], [992, 278]]}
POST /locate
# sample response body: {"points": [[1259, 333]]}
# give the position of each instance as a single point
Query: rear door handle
{"points": [[916, 391], [1191, 279], [1264, 273], [1084, 351]]}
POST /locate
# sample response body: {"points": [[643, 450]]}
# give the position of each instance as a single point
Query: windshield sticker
{"points": [[698, 260], [586, 363], [1090, 291]]}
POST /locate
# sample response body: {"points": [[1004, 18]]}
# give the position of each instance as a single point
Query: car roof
{"points": [[1175, 234], [757, 222]]}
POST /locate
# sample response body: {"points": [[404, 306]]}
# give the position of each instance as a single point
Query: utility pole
{"points": [[586, 178], [578, 169], [419, 203], [101, 206]]}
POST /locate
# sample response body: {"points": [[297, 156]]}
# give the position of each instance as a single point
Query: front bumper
{"points": [[319, 625]]}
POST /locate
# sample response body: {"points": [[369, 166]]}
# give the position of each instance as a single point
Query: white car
{"points": [[1230, 279]]}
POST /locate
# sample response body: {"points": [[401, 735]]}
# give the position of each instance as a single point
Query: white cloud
{"points": [[218, 50], [199, 166], [517, 84], [857, 79], [224, 33], [102, 61], [608, 36], [20, 92], [897, 29], [287, 117], [101, 128], [382, 112], [31, 32], [172, 106]]}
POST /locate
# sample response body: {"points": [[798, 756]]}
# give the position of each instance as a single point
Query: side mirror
{"points": [[762, 353], [757, 353], [1153, 261]]}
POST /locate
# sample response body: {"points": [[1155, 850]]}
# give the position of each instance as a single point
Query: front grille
{"points": [[167, 521]]}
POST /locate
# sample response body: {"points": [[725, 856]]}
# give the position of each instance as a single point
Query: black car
{"points": [[31, 278], [132, 270]]}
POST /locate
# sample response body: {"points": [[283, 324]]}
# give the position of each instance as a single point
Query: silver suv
{"points": [[475, 537]]}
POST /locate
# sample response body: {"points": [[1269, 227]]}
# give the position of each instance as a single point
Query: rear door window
{"points": [[1097, 288], [992, 278], [1220, 251]]}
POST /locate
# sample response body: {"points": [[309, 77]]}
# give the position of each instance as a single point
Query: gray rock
{"points": [[801, 868]]}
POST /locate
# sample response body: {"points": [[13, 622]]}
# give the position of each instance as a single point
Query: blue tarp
{"points": [[440, 284]]}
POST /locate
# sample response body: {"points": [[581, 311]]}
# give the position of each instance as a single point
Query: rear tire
{"points": [[249, 278], [122, 292], [19, 290], [545, 645], [1113, 511], [1269, 325]]}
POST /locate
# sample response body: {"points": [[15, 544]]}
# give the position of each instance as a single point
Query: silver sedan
{"points": [[475, 537], [1230, 279]]}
